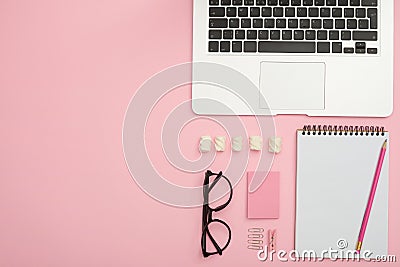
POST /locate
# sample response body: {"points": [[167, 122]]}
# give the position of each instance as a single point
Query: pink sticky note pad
{"points": [[264, 202]]}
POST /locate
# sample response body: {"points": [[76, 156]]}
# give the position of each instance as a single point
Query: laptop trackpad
{"points": [[292, 85]]}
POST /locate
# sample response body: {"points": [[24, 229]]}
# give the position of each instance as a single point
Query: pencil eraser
{"points": [[205, 144], [237, 143], [256, 143], [220, 143], [275, 144]]}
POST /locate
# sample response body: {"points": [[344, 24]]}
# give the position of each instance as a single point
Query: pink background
{"points": [[68, 70]]}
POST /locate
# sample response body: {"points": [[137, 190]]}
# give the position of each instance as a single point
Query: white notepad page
{"points": [[334, 178]]}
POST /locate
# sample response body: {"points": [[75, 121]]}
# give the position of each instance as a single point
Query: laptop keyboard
{"points": [[293, 26]]}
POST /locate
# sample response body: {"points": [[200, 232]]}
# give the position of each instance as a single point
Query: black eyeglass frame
{"points": [[208, 211]]}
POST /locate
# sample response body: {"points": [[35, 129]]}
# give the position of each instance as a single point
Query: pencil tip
{"points": [[385, 144]]}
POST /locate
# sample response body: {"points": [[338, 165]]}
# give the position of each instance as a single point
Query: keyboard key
{"points": [[323, 47], [246, 23], [348, 50], [250, 46], [361, 13], [328, 23], [319, 2], [269, 23], [248, 2], [225, 2], [349, 13], [310, 35], [272, 2], [225, 46], [308, 2], [369, 2], [281, 23], [340, 24], [355, 2], [325, 12], [218, 23], [365, 35], [360, 51], [361, 45], [346, 35], [351, 24], [233, 23], [254, 12], [237, 2], [240, 34], [337, 12], [243, 12], [296, 2], [213, 3], [261, 2], [305, 23], [252, 34], [299, 35], [302, 12], [258, 23], [263, 34], [266, 12], [228, 34], [372, 51], [372, 14], [322, 35], [217, 12], [316, 23], [313, 12], [331, 2], [287, 35], [293, 23], [231, 12], [337, 47], [286, 47], [283, 2], [343, 2], [278, 11], [275, 35], [236, 46], [215, 34], [213, 46], [333, 35], [290, 12], [363, 24]]}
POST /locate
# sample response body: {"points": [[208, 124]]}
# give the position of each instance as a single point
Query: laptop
{"points": [[313, 57]]}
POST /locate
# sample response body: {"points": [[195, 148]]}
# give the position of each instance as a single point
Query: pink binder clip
{"points": [[271, 240]]}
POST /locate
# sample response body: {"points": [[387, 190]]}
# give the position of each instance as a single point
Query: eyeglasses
{"points": [[208, 211]]}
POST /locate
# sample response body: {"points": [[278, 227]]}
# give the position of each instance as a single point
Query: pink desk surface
{"points": [[68, 70]]}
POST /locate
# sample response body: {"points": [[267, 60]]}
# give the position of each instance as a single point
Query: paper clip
{"points": [[254, 247], [256, 230], [271, 239], [255, 236], [255, 241]]}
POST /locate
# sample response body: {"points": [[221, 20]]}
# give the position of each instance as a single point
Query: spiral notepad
{"points": [[335, 170]]}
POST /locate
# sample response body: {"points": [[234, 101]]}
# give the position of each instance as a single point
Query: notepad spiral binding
{"points": [[342, 130]]}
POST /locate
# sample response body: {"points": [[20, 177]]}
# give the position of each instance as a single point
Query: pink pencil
{"points": [[371, 197]]}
